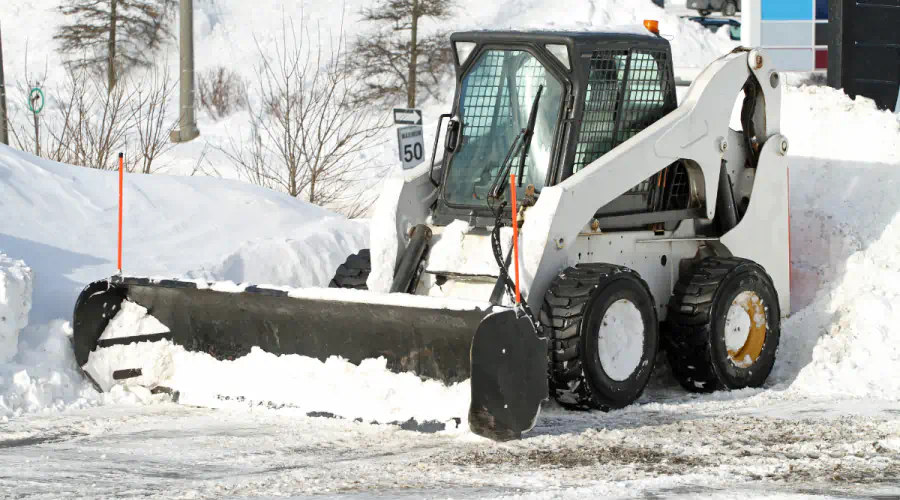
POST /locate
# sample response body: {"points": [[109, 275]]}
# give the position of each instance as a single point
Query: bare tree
{"points": [[86, 123], [398, 60], [306, 139], [204, 166], [113, 34], [152, 123], [222, 92], [65, 128], [107, 120]]}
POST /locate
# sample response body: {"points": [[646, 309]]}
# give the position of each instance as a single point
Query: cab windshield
{"points": [[494, 106]]}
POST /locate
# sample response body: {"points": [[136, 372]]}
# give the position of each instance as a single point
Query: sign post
{"points": [[410, 139], [121, 182], [35, 105]]}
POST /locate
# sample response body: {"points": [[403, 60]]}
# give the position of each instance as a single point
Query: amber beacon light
{"points": [[652, 25]]}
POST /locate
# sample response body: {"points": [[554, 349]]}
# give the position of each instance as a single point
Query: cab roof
{"points": [[610, 34]]}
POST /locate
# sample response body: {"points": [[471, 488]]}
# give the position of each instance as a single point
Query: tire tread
{"points": [[565, 304], [354, 272]]}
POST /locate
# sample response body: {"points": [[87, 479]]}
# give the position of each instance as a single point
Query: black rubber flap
{"points": [[434, 343], [509, 376]]}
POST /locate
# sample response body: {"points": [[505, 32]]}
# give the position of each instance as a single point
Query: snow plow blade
{"points": [[507, 358]]}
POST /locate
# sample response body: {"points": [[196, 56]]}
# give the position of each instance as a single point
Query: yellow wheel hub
{"points": [[745, 329]]}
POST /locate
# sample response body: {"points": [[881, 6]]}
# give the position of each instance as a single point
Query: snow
{"points": [[392, 299], [456, 250], [447, 251], [746, 312], [232, 34], [692, 45], [153, 359], [384, 243], [621, 340], [737, 323], [62, 221], [844, 231], [368, 391], [43, 377], [289, 260], [132, 320], [15, 304]]}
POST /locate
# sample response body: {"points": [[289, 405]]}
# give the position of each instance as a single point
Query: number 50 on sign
{"points": [[411, 144]]}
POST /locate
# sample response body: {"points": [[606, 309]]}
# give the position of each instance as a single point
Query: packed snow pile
{"points": [[453, 251], [15, 304], [307, 260], [845, 171], [61, 220], [368, 391], [43, 376]]}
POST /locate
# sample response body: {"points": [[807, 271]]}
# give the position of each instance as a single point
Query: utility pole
{"points": [[4, 122], [187, 126], [413, 57], [111, 48]]}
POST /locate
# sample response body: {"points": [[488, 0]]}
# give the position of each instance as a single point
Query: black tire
{"points": [[696, 345], [354, 272], [573, 310], [729, 9]]}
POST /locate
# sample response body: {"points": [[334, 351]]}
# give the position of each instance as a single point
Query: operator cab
{"points": [[586, 93]]}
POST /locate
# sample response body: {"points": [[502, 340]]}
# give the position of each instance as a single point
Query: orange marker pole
{"points": [[121, 182], [515, 225]]}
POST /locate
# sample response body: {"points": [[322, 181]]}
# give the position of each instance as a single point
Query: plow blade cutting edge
{"points": [[497, 349]]}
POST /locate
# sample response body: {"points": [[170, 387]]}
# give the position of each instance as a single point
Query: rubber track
{"points": [[690, 308], [563, 308], [354, 272]]}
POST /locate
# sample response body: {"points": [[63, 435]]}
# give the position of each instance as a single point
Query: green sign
{"points": [[36, 100]]}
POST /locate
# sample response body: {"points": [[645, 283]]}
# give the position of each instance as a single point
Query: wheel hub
{"points": [[745, 329], [621, 340]]}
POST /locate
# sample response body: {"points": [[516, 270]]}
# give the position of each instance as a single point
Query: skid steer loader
{"points": [[642, 225]]}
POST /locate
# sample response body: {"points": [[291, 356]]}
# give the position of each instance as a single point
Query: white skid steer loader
{"points": [[641, 225]]}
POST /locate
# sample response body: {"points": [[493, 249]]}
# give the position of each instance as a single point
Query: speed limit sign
{"points": [[411, 144]]}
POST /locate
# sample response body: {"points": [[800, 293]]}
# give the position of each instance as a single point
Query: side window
{"points": [[597, 135], [644, 97], [626, 92]]}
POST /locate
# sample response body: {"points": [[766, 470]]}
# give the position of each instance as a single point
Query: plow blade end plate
{"points": [[509, 376]]}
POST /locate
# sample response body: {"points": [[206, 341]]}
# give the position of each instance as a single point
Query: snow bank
{"points": [[692, 45], [15, 304], [845, 171], [37, 371], [62, 221], [43, 375], [308, 260]]}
